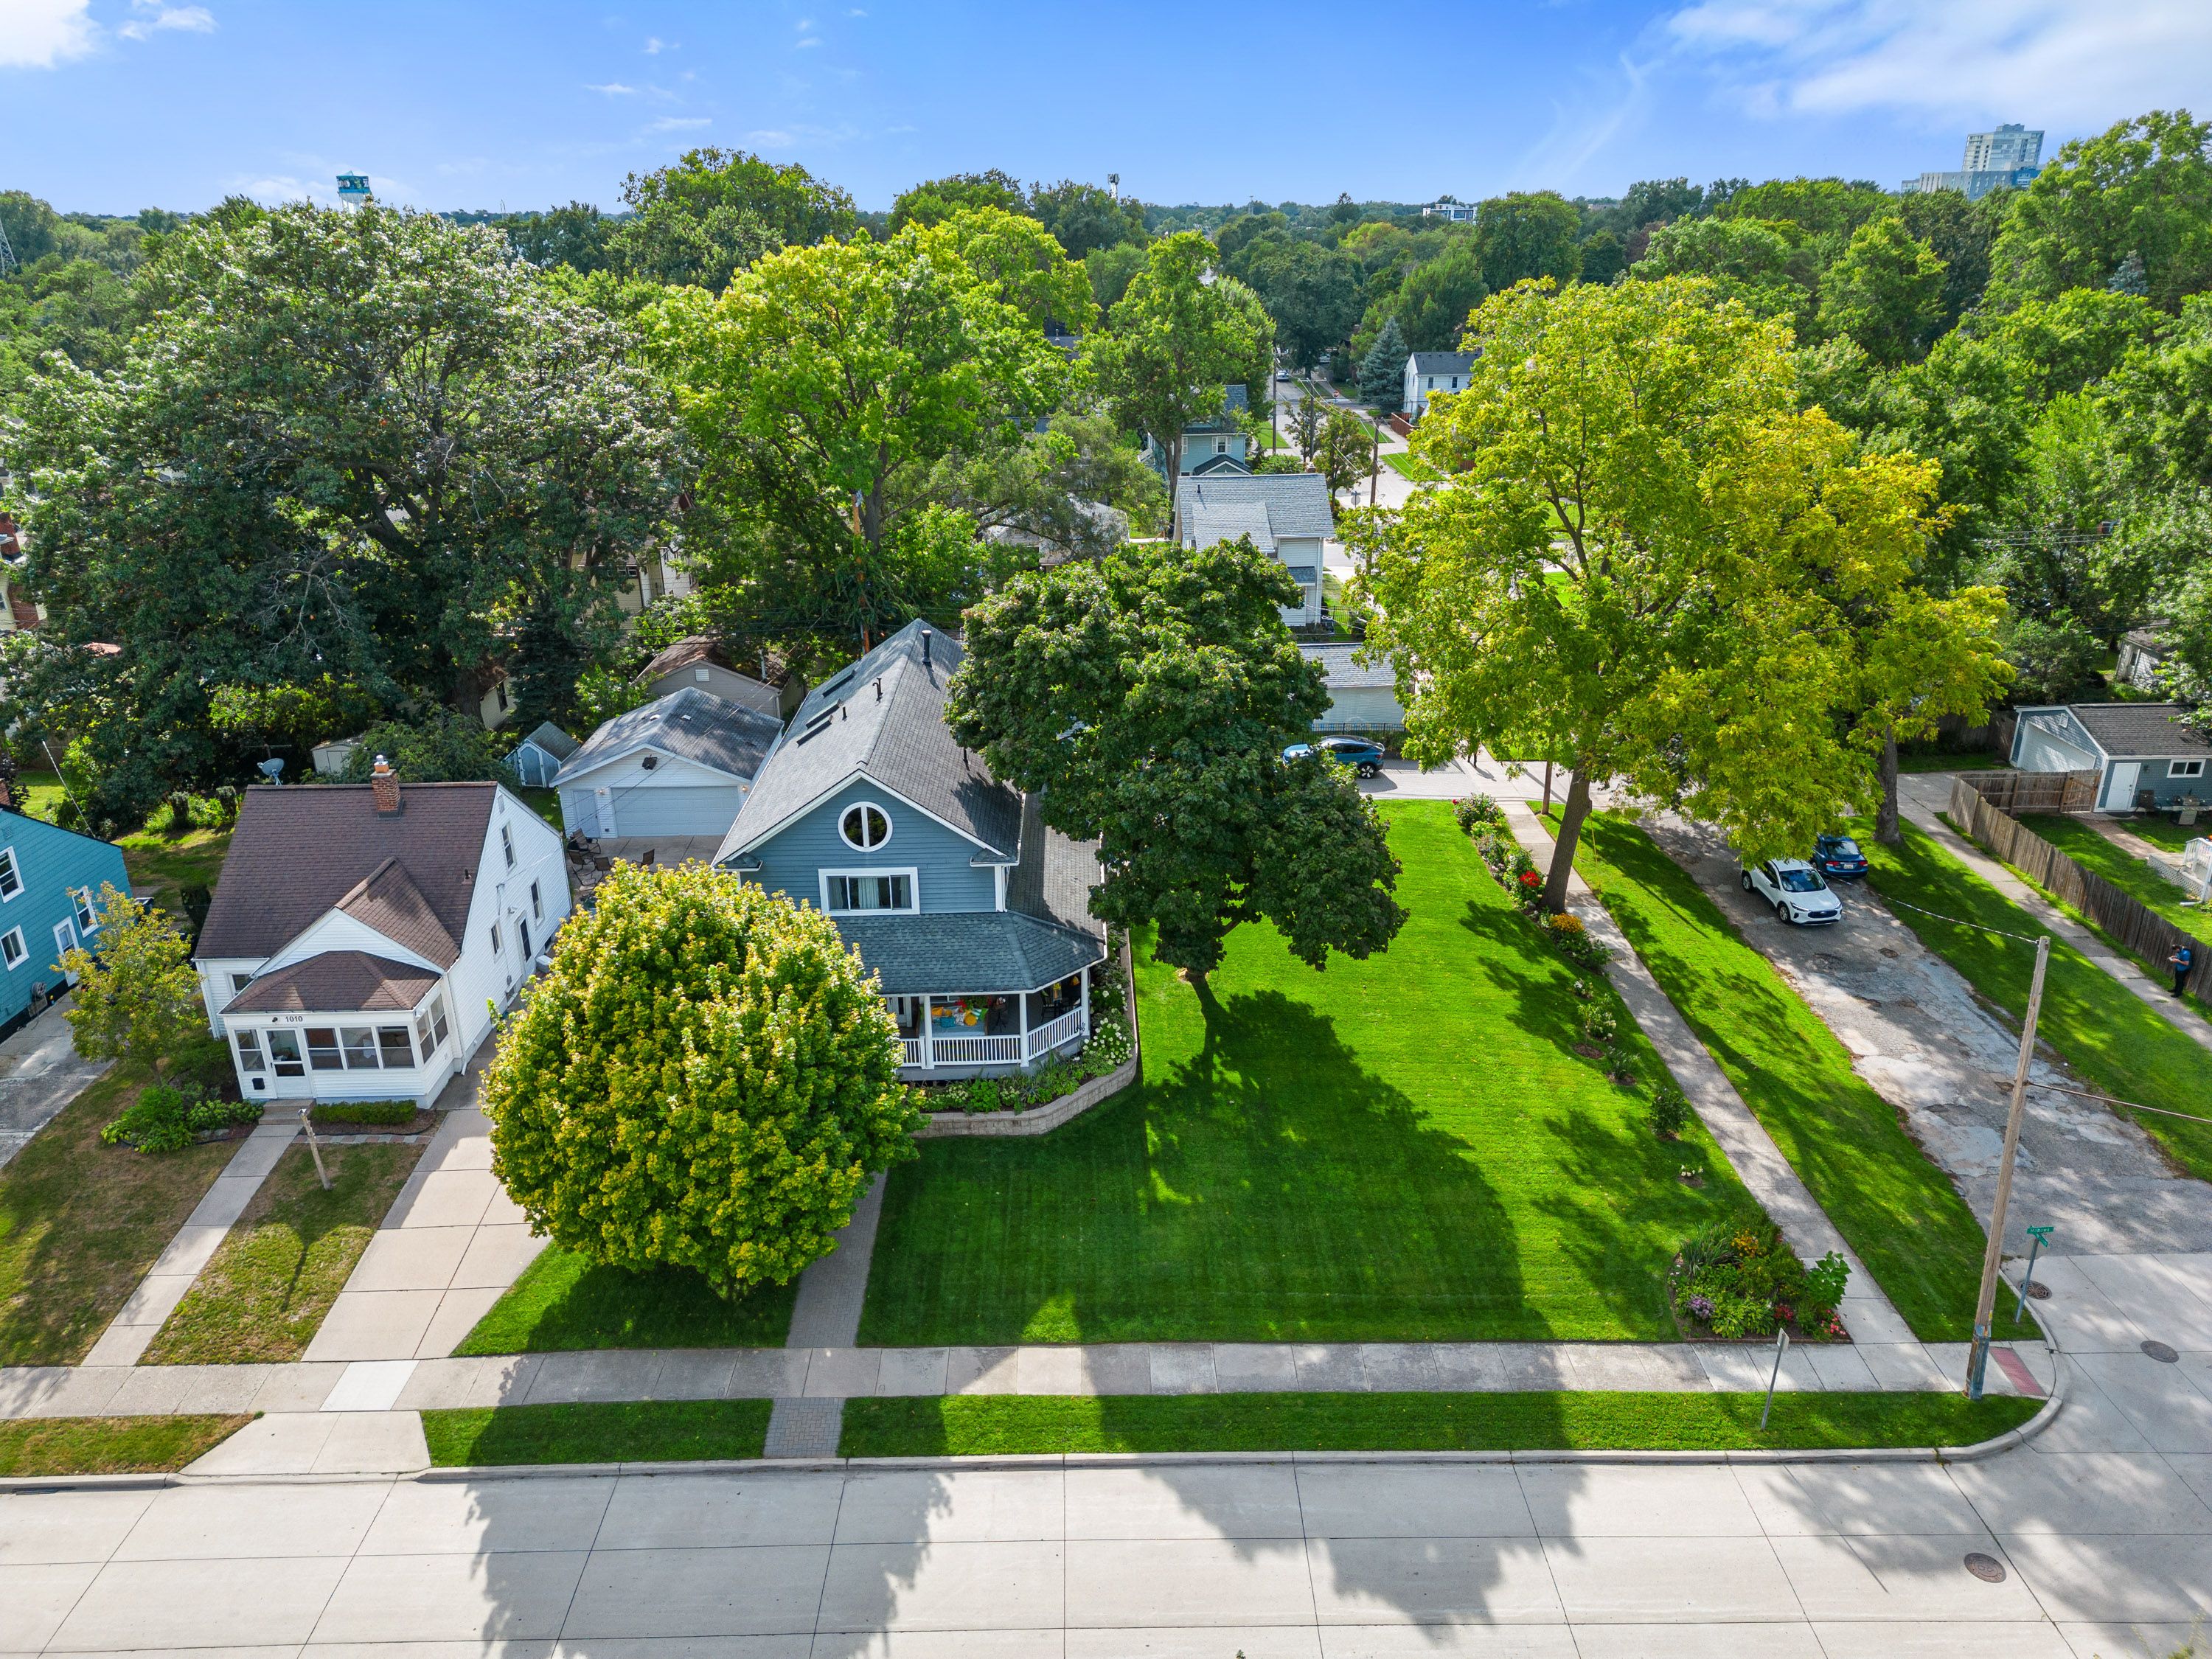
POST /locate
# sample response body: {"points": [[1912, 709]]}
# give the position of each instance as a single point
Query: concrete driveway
{"points": [[2099, 1535], [40, 1073]]}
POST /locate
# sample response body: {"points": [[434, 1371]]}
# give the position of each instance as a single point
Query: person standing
{"points": [[2181, 962]]}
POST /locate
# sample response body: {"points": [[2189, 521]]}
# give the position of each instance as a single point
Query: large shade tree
{"points": [[1148, 696], [1652, 566], [369, 445]]}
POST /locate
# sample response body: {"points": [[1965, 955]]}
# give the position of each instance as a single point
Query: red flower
{"points": [[1528, 879]]}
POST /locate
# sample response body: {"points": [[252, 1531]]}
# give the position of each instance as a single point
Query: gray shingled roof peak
{"points": [[1297, 503], [1442, 362], [1346, 673], [1210, 524], [2141, 728], [884, 719], [689, 723], [553, 740]]}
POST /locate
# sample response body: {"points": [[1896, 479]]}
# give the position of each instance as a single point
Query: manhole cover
{"points": [[2161, 1352], [1987, 1568], [1886, 951], [2039, 1292]]}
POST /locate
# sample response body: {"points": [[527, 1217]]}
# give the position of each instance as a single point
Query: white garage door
{"points": [[676, 810]]}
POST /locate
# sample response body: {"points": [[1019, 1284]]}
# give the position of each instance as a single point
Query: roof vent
{"points": [[384, 789], [924, 646]]}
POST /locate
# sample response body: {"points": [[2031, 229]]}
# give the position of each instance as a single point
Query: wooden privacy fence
{"points": [[2032, 791], [2128, 922]]}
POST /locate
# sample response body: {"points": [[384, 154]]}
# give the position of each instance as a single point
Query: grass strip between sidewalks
{"points": [[1898, 1211], [35, 1446], [627, 1431], [263, 1297], [81, 1222], [2093, 1022], [1007, 1424], [2130, 874], [564, 1302], [1408, 464]]}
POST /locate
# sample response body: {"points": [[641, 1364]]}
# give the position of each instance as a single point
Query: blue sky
{"points": [[115, 105]]}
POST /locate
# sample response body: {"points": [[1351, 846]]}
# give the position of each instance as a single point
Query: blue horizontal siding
{"points": [[51, 861], [792, 859]]}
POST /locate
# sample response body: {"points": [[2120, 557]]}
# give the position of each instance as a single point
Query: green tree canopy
{"points": [[1886, 292], [936, 200], [705, 1078], [1148, 695], [1382, 371], [1315, 294], [1746, 259], [2141, 187], [798, 209], [137, 996], [1084, 218], [1435, 298], [1528, 234], [1821, 207]]}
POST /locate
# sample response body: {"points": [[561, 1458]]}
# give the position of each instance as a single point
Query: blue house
{"points": [[1212, 446], [972, 914], [50, 883]]}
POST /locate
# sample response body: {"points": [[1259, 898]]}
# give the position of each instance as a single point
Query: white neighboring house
{"points": [[1362, 696], [700, 662], [680, 765], [1286, 513], [1433, 371], [362, 933]]}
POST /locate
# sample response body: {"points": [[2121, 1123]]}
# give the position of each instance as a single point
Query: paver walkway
{"points": [[40, 1073], [2101, 1526], [194, 1246], [1921, 797], [1876, 1325]]}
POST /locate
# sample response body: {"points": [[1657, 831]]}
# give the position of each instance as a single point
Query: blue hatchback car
{"points": [[1838, 857], [1362, 756]]}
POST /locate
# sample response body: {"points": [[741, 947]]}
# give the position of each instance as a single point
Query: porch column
{"points": [[1025, 1028], [1086, 1005], [928, 1047]]}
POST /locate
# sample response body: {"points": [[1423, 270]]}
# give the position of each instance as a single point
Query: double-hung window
{"points": [[848, 892], [323, 1053], [13, 952], [507, 843], [536, 902], [11, 875], [87, 912], [430, 1026], [2188, 768]]}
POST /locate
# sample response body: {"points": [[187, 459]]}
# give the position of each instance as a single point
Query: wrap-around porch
{"points": [[970, 1030]]}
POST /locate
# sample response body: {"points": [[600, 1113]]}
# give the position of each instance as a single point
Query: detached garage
{"points": [[680, 765]]}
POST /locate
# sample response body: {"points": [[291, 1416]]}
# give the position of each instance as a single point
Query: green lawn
{"points": [[1895, 1209], [2095, 1025], [1008, 1425], [546, 803], [168, 863], [562, 1302], [2131, 875], [81, 1222], [263, 1295], [36, 1446], [1406, 1148], [1408, 464], [2164, 834], [639, 1431], [40, 794]]}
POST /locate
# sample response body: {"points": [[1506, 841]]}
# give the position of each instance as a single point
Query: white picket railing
{"points": [[976, 1050], [911, 1051], [1050, 1034]]}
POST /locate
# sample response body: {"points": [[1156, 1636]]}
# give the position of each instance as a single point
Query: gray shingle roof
{"points": [[336, 982], [553, 740], [1346, 675], [1442, 362], [1234, 400], [897, 737], [301, 849], [1210, 524], [1297, 503], [1053, 880], [691, 725], [970, 951], [2140, 728]]}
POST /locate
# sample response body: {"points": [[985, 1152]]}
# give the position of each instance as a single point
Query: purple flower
{"points": [[1701, 1307]]}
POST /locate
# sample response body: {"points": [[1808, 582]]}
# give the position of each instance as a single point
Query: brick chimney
{"points": [[384, 789]]}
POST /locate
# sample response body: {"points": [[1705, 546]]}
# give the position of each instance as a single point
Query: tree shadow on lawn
{"points": [[564, 1302]]}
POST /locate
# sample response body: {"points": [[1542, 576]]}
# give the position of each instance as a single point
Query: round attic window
{"points": [[865, 826]]}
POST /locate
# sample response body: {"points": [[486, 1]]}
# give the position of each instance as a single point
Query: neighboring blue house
{"points": [[50, 883], [972, 914], [1215, 445], [2147, 755]]}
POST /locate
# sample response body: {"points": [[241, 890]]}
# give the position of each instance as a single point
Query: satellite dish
{"points": [[272, 766]]}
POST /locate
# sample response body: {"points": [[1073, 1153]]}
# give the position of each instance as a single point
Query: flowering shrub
{"points": [[1738, 1279], [1670, 1111], [1600, 1025], [1476, 811]]}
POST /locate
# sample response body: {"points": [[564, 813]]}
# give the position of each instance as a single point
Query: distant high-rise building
{"points": [[2006, 159], [1451, 208], [353, 189]]}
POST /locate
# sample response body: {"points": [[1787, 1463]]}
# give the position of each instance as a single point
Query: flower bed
{"points": [[1736, 1280]]}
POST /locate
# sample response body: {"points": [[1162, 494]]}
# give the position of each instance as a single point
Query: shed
{"points": [[680, 765], [332, 758], [539, 757], [2146, 755]]}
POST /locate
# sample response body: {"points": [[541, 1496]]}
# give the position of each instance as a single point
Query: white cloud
{"points": [[40, 34], [2042, 61], [654, 46], [680, 123], [612, 89], [151, 16], [811, 40]]}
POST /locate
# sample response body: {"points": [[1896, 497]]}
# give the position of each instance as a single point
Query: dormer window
{"points": [[865, 826]]}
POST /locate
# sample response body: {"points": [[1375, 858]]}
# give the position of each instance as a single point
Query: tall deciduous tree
{"points": [[1148, 696], [1641, 565], [1886, 292], [1523, 234], [798, 208], [1314, 293], [1184, 330], [1437, 298]]}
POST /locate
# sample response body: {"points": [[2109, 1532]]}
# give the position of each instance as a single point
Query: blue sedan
{"points": [[1839, 858], [1362, 756]]}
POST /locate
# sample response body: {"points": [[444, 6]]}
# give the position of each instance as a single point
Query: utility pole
{"points": [[1374, 460], [1978, 1358]]}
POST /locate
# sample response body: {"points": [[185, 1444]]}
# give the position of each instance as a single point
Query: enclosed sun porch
{"points": [[978, 994], [342, 1026]]}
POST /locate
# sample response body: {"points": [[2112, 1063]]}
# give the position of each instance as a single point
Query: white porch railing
{"points": [[1050, 1034], [911, 1051], [974, 1050]]}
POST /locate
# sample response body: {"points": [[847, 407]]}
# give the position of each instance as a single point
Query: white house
{"points": [[1286, 513], [362, 933], [699, 663], [680, 765], [1362, 696], [1433, 371]]}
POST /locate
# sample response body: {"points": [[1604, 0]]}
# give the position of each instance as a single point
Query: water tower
{"points": [[353, 189]]}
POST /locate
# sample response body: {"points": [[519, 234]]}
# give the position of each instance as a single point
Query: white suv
{"points": [[1795, 890]]}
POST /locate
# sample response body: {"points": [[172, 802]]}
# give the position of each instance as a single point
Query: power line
{"points": [[2115, 1100], [1960, 921]]}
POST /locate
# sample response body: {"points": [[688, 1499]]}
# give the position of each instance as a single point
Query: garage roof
{"points": [[691, 725]]}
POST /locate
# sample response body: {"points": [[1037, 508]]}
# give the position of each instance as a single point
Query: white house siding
{"points": [[670, 798], [2052, 741], [725, 683], [1364, 708]]}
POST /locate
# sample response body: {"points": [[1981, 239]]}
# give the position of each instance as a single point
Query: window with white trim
{"points": [[285, 1051], [12, 948], [865, 826], [536, 902], [856, 893], [430, 1026], [87, 910], [2188, 768], [497, 946], [11, 877], [507, 843], [250, 1061]]}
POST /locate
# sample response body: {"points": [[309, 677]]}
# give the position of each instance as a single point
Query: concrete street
{"points": [[2100, 1528]]}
